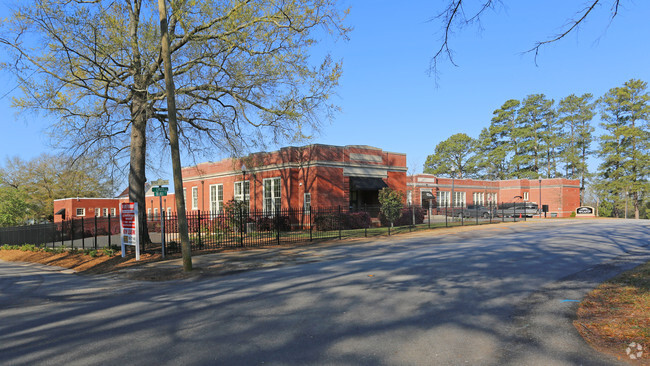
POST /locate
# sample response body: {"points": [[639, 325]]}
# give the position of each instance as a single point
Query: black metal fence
{"points": [[245, 228]]}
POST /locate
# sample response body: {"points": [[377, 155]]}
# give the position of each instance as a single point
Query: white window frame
{"points": [[306, 202], [443, 198], [216, 198], [105, 212], [195, 198], [149, 216], [526, 196], [409, 197], [459, 199], [169, 211], [244, 191], [272, 196], [80, 212], [98, 212], [155, 213], [113, 211]]}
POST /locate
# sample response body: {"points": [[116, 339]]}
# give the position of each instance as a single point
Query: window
{"points": [[81, 212], [478, 198], [492, 199], [459, 199], [155, 213], [409, 198], [104, 212], [112, 211], [272, 197], [242, 191], [195, 198], [216, 198], [169, 211], [98, 212], [307, 203], [149, 217], [443, 199], [525, 196]]}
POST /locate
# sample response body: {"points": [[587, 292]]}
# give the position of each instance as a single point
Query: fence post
{"points": [[110, 233], [83, 234], [199, 228], [277, 224], [476, 213], [95, 232], [310, 224], [339, 222], [242, 226], [446, 217], [71, 233]]}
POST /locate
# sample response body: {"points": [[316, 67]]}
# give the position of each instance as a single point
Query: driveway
{"points": [[502, 295]]}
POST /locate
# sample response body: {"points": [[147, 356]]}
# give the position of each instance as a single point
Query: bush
{"points": [[573, 214], [273, 223], [405, 218], [109, 251], [348, 220]]}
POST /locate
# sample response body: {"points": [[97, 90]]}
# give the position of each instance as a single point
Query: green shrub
{"points": [[573, 214], [92, 253], [109, 251]]}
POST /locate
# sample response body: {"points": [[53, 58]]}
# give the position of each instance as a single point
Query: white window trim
{"points": [[195, 198], [271, 210], [215, 198], [306, 200], [113, 211], [98, 212], [83, 212]]}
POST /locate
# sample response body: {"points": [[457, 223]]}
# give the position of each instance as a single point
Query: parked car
{"points": [[518, 209], [475, 211]]}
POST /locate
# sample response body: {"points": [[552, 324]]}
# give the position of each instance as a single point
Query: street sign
{"points": [[159, 191], [160, 182]]}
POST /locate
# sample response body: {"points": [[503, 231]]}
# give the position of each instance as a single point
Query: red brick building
{"points": [[78, 207], [308, 176], [561, 195]]}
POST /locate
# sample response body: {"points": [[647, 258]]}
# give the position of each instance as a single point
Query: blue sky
{"points": [[390, 101]]}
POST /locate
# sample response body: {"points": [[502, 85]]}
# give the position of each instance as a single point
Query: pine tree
{"points": [[574, 116], [624, 147], [534, 132]]}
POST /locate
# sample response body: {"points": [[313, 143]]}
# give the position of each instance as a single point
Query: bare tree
{"points": [[455, 17], [242, 71]]}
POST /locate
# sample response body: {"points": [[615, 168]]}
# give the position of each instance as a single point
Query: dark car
{"points": [[476, 211]]}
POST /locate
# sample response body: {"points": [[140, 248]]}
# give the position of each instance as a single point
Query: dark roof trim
{"points": [[367, 184]]}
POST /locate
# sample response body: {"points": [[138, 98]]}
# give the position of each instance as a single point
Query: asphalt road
{"points": [[496, 296]]}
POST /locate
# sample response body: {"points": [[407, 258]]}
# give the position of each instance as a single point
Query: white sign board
{"points": [[129, 227]]}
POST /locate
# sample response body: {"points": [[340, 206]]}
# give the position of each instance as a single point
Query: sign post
{"points": [[129, 227], [161, 191]]}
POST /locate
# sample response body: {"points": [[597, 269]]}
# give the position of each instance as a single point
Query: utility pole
{"points": [[173, 139]]}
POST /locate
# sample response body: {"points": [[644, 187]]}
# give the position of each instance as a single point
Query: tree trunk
{"points": [[186, 248], [137, 177]]}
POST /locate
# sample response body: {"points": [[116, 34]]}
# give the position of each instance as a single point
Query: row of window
{"points": [[272, 195], [99, 212]]}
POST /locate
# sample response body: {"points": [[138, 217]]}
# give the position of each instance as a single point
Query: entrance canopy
{"points": [[428, 196], [367, 184]]}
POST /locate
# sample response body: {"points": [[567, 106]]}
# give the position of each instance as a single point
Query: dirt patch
{"points": [[78, 262], [615, 317]]}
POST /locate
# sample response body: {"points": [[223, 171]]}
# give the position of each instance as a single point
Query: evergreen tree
{"points": [[624, 147], [496, 145], [457, 151], [574, 116], [535, 133]]}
